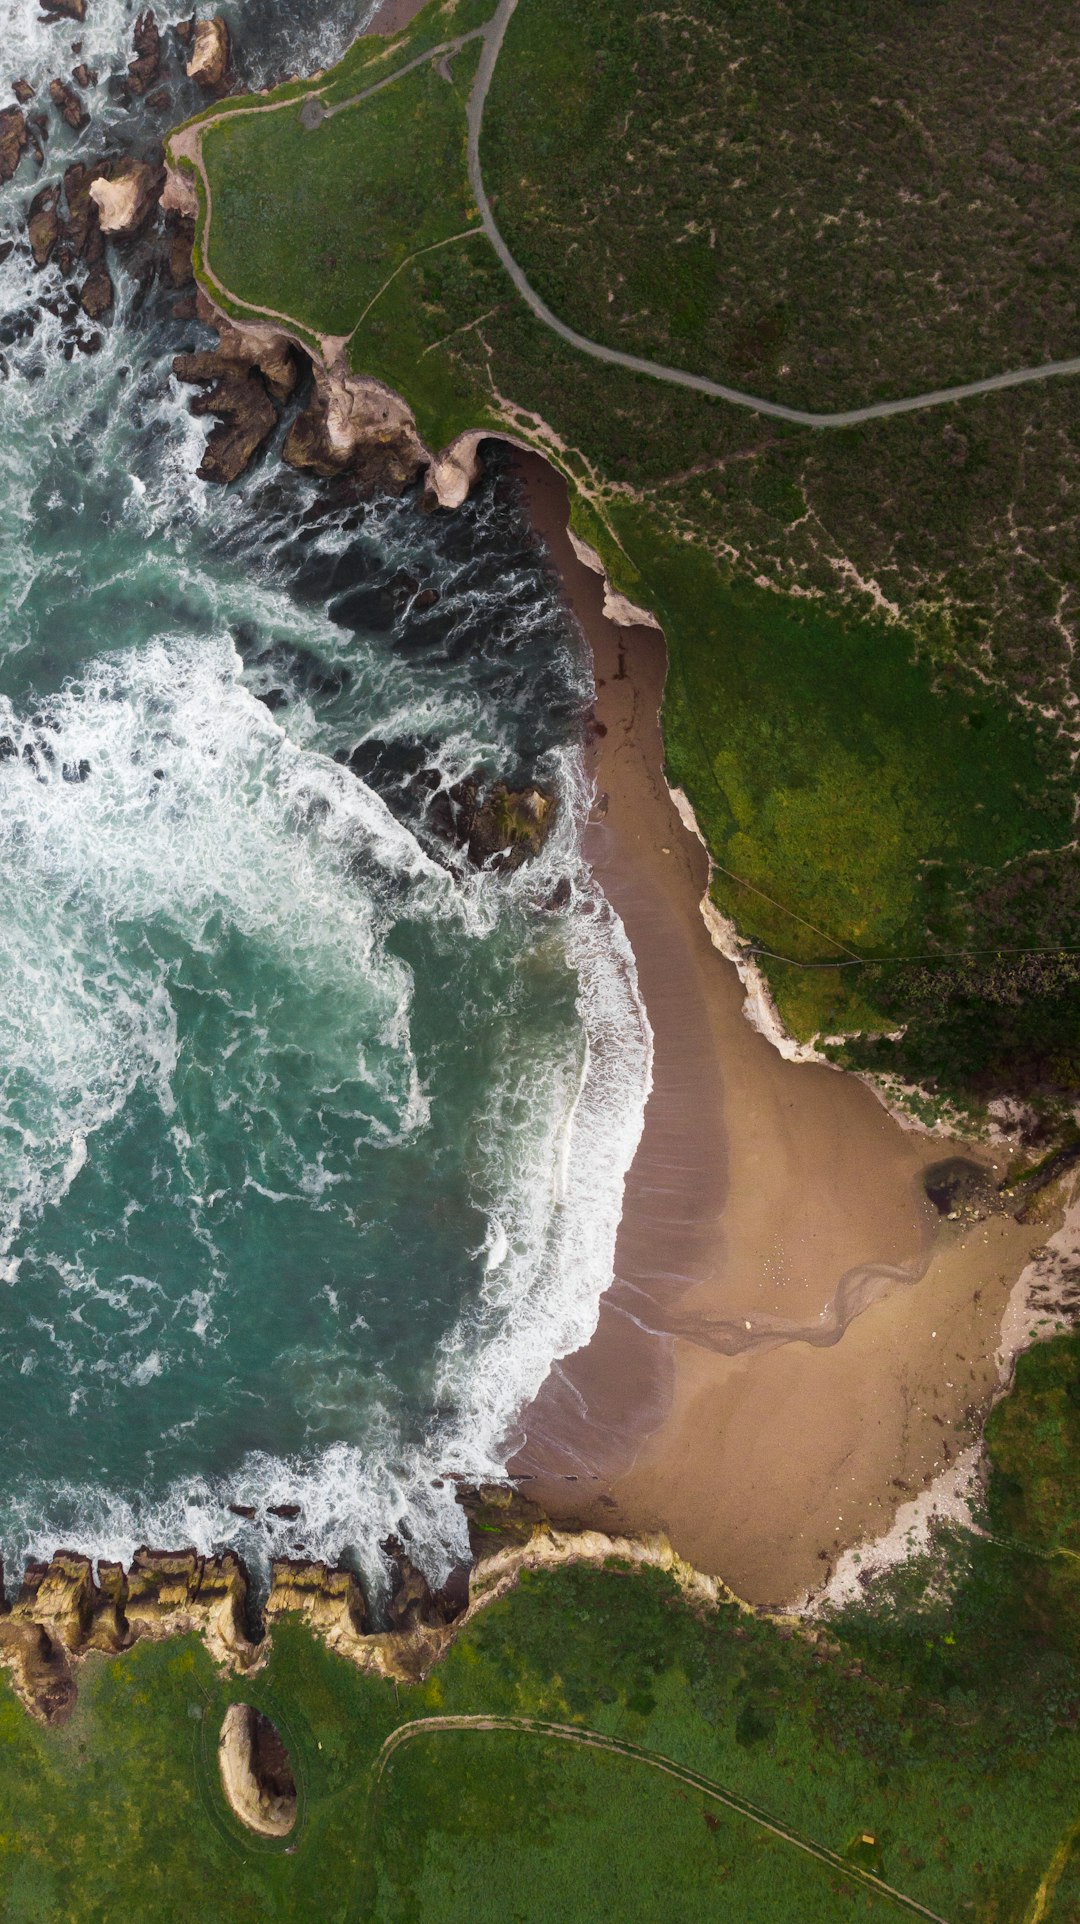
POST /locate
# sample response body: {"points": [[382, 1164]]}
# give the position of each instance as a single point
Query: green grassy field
{"points": [[871, 631], [942, 1717]]}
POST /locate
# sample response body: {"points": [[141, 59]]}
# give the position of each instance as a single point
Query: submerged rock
{"points": [[13, 137], [962, 1190]]}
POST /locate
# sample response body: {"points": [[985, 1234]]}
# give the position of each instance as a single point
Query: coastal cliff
{"points": [[62, 1614]]}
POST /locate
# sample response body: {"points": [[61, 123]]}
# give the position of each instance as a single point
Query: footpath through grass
{"points": [[872, 632], [941, 1719]]}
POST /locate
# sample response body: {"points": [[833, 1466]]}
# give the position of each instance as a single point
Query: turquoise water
{"points": [[311, 1142]]}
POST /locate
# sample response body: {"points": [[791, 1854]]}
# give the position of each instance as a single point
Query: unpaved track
{"points": [[800, 417], [618, 1747]]}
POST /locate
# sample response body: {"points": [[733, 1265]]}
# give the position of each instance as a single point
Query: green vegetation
{"points": [[872, 631], [940, 1718]]}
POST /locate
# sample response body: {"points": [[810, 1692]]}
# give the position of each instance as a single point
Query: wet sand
{"points": [[723, 1398]]}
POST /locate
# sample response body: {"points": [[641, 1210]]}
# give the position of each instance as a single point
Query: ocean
{"points": [[312, 1140]]}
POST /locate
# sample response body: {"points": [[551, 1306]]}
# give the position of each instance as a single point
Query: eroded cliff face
{"points": [[63, 1613]]}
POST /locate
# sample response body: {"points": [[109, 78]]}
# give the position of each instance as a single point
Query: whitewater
{"points": [[312, 1139]]}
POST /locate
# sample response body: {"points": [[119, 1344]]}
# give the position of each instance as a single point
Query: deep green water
{"points": [[311, 1149]]}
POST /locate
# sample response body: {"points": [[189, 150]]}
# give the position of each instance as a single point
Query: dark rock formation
{"points": [[498, 827], [356, 427], [242, 372], [96, 292], [13, 138], [84, 76], [143, 71], [55, 11], [963, 1191], [68, 105], [181, 241], [23, 92], [499, 1517], [82, 230], [412, 1600], [43, 224]]}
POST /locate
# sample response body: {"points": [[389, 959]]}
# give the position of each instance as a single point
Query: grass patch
{"points": [[941, 1717]]}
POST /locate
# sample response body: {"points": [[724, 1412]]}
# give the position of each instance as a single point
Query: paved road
{"points": [[801, 417], [617, 1746]]}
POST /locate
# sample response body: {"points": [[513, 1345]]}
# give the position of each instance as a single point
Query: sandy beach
{"points": [[794, 1343]]}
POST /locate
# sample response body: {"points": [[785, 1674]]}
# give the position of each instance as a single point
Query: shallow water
{"points": [[311, 1146]]}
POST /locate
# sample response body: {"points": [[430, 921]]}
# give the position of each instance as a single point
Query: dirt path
{"points": [[618, 1747]]}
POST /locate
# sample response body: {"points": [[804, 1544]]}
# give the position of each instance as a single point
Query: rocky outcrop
{"points": [[498, 827], [170, 1593], [43, 224], [68, 105], [57, 10], [23, 92], [210, 52], [13, 140], [126, 196], [454, 473], [356, 426], [246, 373], [96, 292], [413, 1603], [330, 1601], [144, 70]]}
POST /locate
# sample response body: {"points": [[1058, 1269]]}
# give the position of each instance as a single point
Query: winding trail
{"points": [[494, 35], [187, 143], [619, 1747]]}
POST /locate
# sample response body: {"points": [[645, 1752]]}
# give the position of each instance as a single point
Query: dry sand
{"points": [[723, 1398]]}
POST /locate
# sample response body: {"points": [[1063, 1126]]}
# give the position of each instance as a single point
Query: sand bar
{"points": [[726, 1396]]}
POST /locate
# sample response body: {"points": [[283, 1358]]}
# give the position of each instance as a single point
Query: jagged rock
{"points": [[209, 63], [356, 426], [126, 197], [185, 31], [40, 1670], [331, 1601], [96, 292], [13, 139], [170, 1592], [43, 224], [23, 92], [499, 1518], [179, 267], [246, 418], [146, 66], [55, 11], [498, 827], [962, 1190], [412, 1601], [82, 231], [68, 105], [242, 367]]}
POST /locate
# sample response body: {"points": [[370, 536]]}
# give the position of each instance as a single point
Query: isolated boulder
{"points": [[96, 292], [498, 827], [209, 62], [57, 10], [68, 105], [43, 224]]}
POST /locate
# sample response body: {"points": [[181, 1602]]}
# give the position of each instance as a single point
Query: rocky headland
{"points": [[64, 1614]]}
